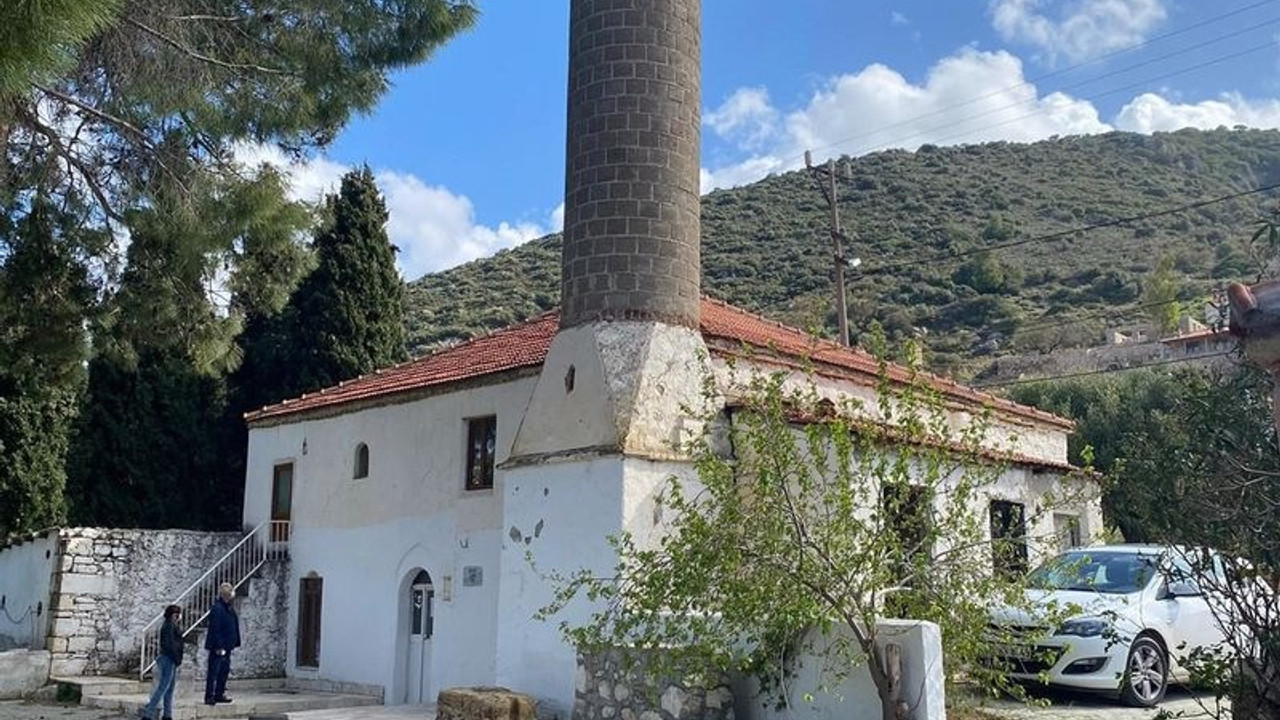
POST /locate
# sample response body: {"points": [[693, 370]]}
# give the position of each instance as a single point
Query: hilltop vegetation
{"points": [[765, 246]]}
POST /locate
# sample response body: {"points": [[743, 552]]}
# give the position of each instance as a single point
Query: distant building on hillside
{"points": [[1128, 346]]}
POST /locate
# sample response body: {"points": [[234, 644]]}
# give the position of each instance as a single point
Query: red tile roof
{"points": [[523, 345], [728, 331]]}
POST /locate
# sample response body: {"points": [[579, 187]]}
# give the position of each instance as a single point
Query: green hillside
{"points": [[766, 248]]}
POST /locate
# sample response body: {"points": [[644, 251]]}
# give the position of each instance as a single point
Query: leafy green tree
{"points": [[347, 316], [1112, 414], [1215, 485], [806, 516], [984, 273], [1160, 295], [44, 293]]}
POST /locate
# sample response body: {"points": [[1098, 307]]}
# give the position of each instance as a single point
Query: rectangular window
{"points": [[482, 437], [1009, 538], [907, 515], [309, 598], [1067, 528]]}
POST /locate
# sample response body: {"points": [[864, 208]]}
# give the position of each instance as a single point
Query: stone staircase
{"points": [[273, 697]]}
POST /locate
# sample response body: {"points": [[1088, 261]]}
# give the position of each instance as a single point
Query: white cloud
{"points": [[1149, 113], [971, 96], [1082, 29], [898, 19], [434, 227], [746, 118]]}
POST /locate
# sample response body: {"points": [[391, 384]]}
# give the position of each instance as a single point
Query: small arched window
{"points": [[362, 462]]}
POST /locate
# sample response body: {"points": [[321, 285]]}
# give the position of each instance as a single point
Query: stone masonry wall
{"points": [[263, 615], [608, 688], [631, 220], [109, 584]]}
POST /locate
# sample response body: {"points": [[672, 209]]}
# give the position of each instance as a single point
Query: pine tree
{"points": [[44, 292], [347, 317]]}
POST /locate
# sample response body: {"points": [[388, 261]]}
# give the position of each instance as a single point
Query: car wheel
{"points": [[1146, 674]]}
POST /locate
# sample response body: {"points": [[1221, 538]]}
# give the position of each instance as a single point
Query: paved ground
{"points": [[15, 710], [1065, 706], [32, 711], [1178, 703]]}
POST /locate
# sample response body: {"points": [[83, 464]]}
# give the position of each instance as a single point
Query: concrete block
{"points": [[23, 672]]}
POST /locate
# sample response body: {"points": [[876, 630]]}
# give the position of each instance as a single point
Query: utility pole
{"points": [[827, 186]]}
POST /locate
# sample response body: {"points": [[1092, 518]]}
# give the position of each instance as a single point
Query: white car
{"points": [[1136, 612]]}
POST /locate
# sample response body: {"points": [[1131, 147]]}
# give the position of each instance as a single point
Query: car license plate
{"points": [[1023, 653]]}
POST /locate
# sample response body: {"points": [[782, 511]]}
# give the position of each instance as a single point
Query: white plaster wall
{"points": [[366, 537], [814, 696], [364, 607], [560, 514], [1005, 433], [26, 576], [1045, 494]]}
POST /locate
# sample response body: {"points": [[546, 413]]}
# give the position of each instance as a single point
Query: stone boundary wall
{"points": [[608, 688], [109, 584]]}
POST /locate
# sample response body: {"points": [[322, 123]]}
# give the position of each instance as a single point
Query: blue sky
{"points": [[469, 147]]}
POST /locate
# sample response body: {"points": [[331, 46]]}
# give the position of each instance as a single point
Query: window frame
{"points": [[485, 458], [360, 468]]}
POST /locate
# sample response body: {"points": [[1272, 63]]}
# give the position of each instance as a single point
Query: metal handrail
{"points": [[267, 541]]}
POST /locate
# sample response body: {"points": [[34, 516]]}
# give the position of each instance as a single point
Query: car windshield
{"points": [[1104, 572]]}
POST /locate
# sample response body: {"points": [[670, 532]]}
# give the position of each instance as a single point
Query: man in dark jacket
{"points": [[223, 637]]}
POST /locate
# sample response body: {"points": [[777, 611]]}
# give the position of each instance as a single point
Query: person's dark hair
{"points": [[172, 610]]}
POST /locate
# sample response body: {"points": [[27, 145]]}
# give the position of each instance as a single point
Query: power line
{"points": [[1087, 373], [1040, 78], [1270, 44], [1073, 231]]}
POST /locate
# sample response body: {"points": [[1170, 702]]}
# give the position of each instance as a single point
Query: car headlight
{"points": [[1084, 627]]}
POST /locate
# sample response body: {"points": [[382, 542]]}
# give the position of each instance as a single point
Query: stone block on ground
{"points": [[484, 703], [22, 672]]}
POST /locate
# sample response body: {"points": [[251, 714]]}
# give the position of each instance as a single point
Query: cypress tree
{"points": [[347, 316], [146, 450], [44, 295]]}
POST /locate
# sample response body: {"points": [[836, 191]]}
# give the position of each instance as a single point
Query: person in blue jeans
{"points": [[223, 637], [167, 664]]}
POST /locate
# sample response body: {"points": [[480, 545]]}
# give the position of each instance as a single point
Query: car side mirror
{"points": [[1182, 588]]}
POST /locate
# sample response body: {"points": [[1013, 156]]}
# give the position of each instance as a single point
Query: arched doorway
{"points": [[420, 626]]}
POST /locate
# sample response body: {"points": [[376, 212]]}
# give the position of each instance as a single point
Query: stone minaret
{"points": [[631, 221], [627, 353], [597, 441]]}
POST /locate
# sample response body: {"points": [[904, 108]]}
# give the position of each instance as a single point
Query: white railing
{"points": [[268, 541]]}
